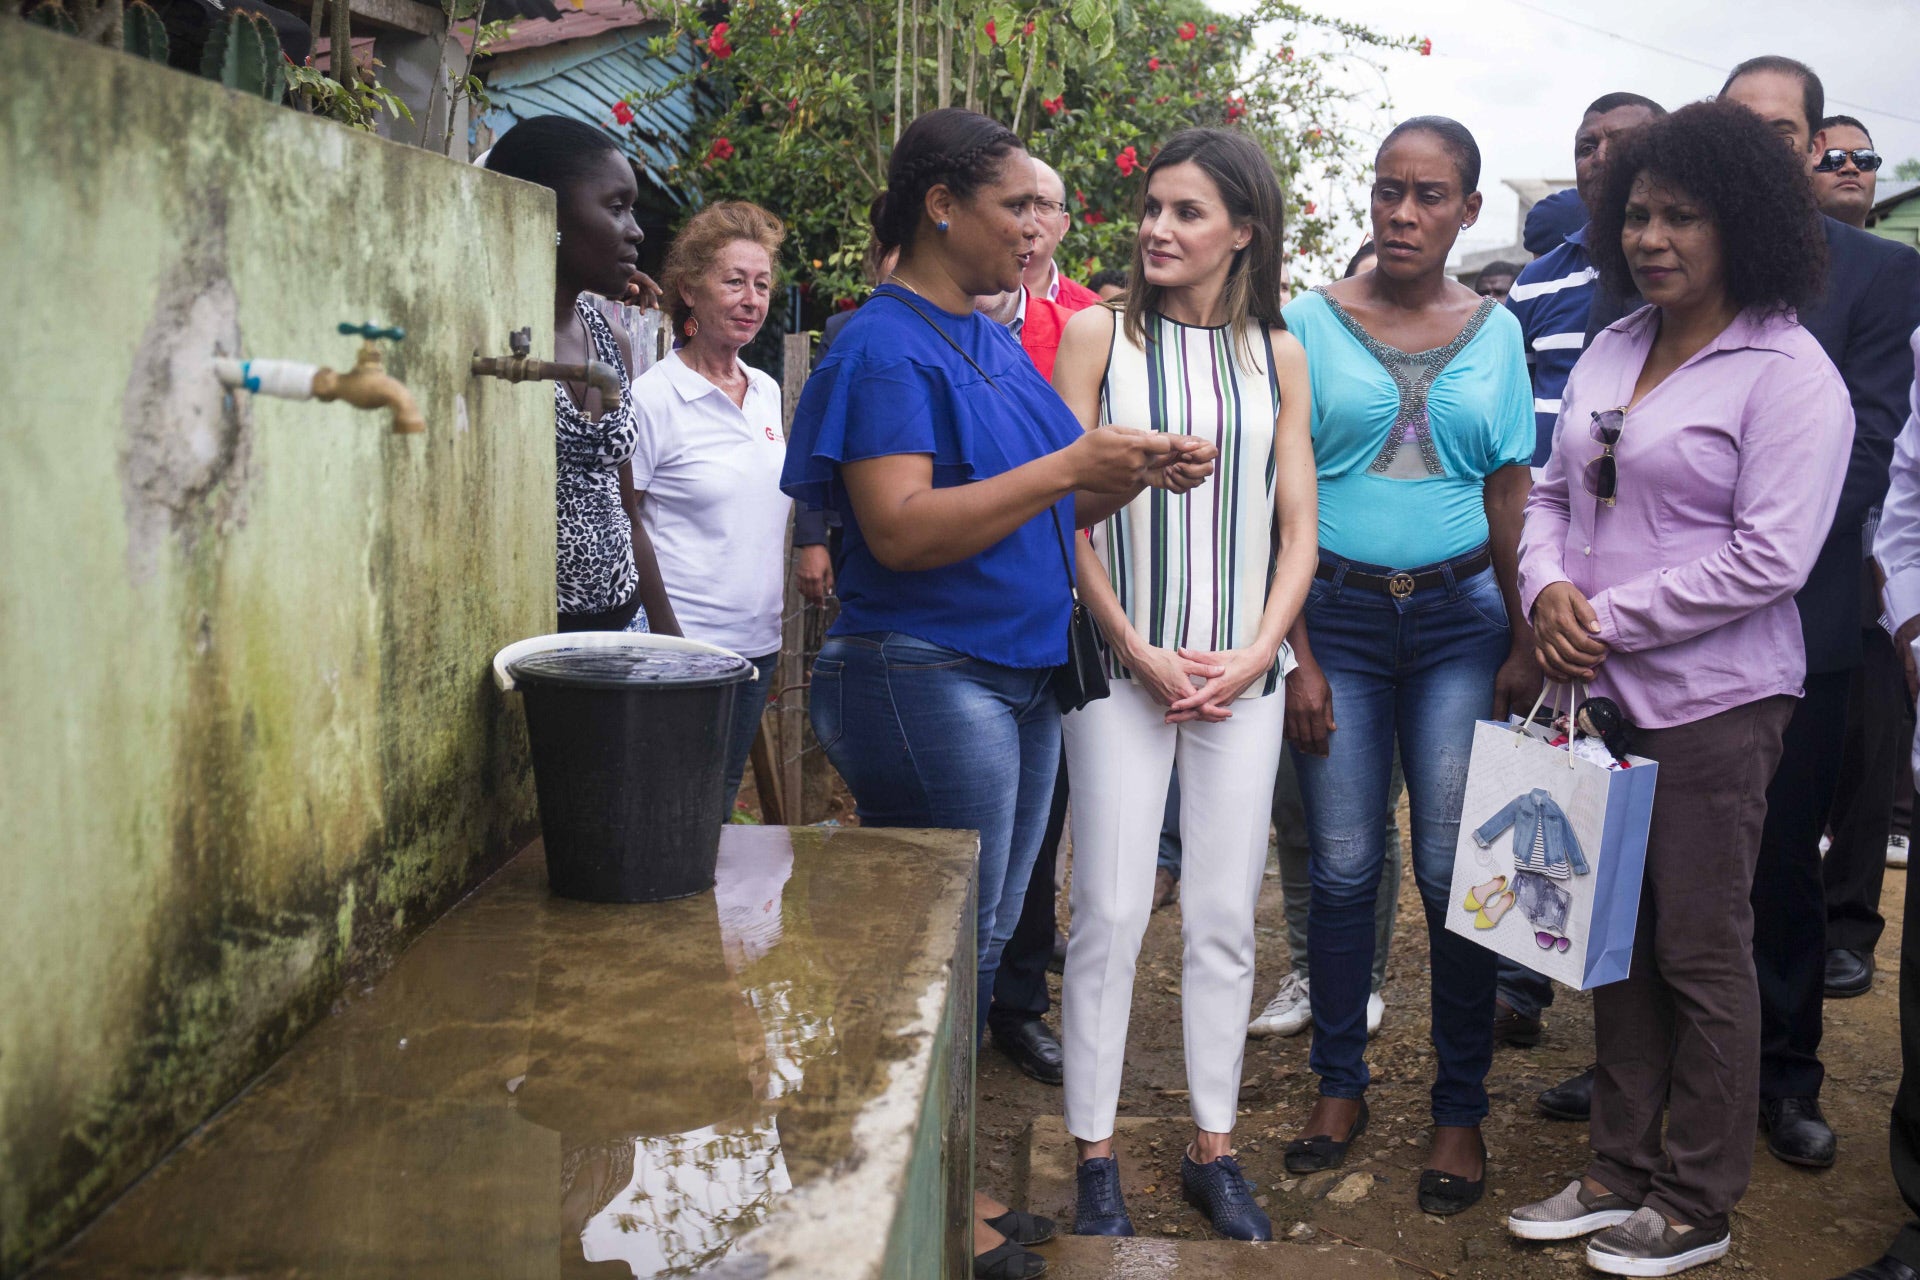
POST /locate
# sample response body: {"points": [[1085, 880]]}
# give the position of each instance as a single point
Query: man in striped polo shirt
{"points": [[1554, 297], [1560, 306]]}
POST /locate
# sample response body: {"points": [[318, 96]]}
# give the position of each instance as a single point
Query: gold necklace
{"points": [[907, 284]]}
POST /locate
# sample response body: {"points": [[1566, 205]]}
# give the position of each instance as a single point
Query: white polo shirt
{"points": [[714, 510]]}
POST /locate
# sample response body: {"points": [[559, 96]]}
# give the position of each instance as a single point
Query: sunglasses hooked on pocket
{"points": [[1602, 476]]}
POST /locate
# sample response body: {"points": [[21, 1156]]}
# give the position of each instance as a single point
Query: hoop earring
{"points": [[691, 327], [940, 226]]}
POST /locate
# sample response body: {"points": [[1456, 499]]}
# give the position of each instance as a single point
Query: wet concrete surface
{"points": [[538, 1088]]}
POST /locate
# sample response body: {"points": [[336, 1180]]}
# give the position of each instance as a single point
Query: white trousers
{"points": [[1120, 757]]}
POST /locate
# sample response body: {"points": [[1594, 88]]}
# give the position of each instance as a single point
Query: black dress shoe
{"points": [[1849, 973], [1515, 1029], [1887, 1268], [1033, 1048], [1571, 1099], [1797, 1133]]}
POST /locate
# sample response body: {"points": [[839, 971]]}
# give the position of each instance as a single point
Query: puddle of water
{"points": [[626, 1090]]}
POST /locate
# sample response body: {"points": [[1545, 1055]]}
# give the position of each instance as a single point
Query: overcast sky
{"points": [[1519, 72]]}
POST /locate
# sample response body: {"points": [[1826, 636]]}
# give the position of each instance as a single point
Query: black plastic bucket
{"points": [[629, 738]]}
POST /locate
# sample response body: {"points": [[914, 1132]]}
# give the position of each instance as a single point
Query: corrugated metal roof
{"points": [[583, 78], [578, 20]]}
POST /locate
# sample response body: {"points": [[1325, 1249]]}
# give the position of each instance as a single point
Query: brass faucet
{"points": [[368, 385], [518, 367]]}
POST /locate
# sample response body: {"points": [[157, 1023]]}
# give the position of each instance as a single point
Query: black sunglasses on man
{"points": [[1865, 159]]}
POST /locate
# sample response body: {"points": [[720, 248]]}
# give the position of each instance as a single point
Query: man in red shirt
{"points": [[1044, 278], [1036, 322]]}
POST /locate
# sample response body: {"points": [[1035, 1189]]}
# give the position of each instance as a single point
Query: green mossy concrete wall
{"points": [[250, 742]]}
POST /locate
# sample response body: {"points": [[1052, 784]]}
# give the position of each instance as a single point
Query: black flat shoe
{"points": [[1023, 1228], [1445, 1194], [1008, 1261], [1311, 1155]]}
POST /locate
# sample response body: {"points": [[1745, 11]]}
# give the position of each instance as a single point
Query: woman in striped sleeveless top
{"points": [[1194, 593]]}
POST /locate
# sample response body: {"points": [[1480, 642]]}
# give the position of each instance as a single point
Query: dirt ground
{"points": [[1794, 1224]]}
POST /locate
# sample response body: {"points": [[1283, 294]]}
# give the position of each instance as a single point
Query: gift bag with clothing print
{"points": [[1552, 846]]}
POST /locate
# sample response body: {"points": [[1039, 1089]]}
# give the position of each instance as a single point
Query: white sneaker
{"points": [[1287, 1014], [1897, 852], [1376, 1010]]}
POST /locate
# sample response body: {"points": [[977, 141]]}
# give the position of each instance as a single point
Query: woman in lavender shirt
{"points": [[1695, 470]]}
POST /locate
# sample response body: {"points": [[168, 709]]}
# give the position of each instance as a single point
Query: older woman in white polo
{"points": [[706, 471]]}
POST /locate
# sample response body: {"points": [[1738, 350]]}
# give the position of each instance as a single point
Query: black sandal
{"points": [[1023, 1228], [1445, 1194], [1008, 1261], [1322, 1151]]}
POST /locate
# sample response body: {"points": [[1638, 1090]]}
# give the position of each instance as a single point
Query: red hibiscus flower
{"points": [[717, 41], [993, 37], [1236, 107], [1053, 105], [1310, 208], [793, 104], [1081, 196], [794, 22], [622, 113], [1153, 64], [845, 304], [1212, 30], [1160, 101], [1028, 29], [1127, 161], [1188, 31], [1093, 217], [722, 149], [1426, 48]]}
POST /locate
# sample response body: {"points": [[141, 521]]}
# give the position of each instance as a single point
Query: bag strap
{"points": [[1574, 689], [1066, 561]]}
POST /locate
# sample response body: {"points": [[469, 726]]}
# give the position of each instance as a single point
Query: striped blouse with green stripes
{"points": [[1192, 570]]}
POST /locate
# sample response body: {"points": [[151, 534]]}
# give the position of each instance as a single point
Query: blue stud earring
{"points": [[940, 225]]}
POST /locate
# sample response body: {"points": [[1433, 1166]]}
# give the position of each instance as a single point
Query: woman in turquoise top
{"points": [[1422, 429]]}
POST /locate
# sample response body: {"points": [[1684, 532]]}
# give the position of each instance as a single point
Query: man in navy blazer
{"points": [[1870, 311]]}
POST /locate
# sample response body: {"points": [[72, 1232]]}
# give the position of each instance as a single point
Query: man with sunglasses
{"points": [[1871, 307], [1843, 176]]}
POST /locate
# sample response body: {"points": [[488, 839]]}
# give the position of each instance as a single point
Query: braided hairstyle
{"points": [[951, 148]]}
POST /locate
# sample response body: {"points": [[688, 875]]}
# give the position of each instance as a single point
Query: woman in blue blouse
{"points": [[954, 468], [1422, 429]]}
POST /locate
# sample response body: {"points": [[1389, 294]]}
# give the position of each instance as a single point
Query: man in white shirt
{"points": [[1897, 548]]}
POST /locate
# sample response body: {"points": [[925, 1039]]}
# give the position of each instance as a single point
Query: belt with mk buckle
{"points": [[1404, 582]]}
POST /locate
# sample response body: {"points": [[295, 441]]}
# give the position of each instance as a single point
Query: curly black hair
{"points": [[1753, 188]]}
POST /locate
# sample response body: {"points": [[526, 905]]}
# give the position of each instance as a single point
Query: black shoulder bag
{"points": [[1081, 678]]}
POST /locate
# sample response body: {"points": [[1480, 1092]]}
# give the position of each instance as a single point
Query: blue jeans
{"points": [[747, 706], [926, 737], [1419, 670], [1169, 859]]}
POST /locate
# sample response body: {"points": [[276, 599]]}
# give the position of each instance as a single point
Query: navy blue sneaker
{"points": [[1219, 1190], [1099, 1210]]}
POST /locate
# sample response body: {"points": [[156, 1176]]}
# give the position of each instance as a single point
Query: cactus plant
{"points": [[243, 53], [143, 34]]}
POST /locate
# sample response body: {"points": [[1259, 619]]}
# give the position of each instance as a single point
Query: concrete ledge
{"points": [[762, 1080]]}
